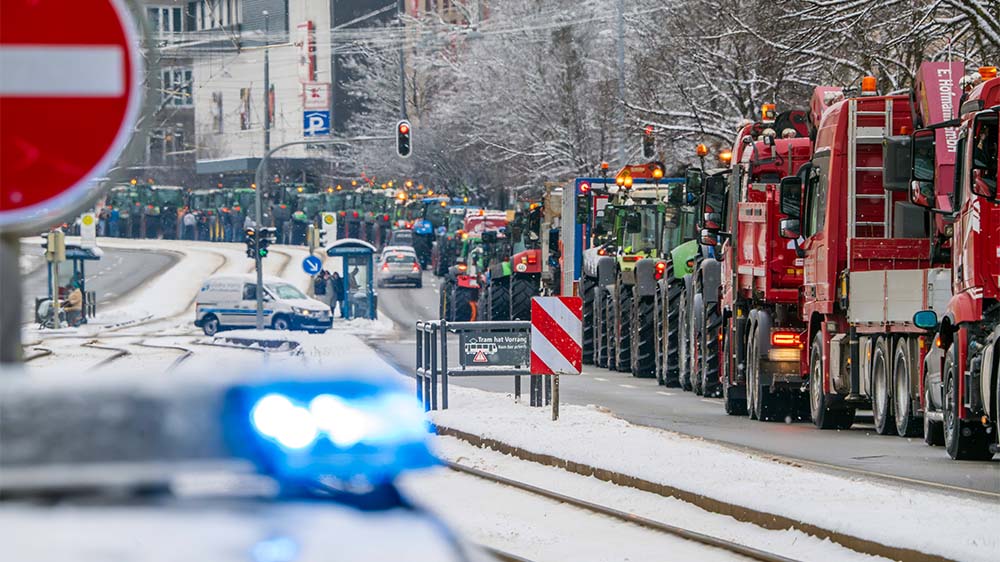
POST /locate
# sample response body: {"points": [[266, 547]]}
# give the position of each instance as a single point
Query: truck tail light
{"points": [[532, 259], [661, 268], [785, 339], [632, 258], [462, 267]]}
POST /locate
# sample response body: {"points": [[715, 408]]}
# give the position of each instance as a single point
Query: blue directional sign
{"points": [[312, 265], [315, 123]]}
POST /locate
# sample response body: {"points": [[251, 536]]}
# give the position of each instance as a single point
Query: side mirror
{"points": [[897, 156], [922, 165], [713, 221], [633, 223], [790, 228], [708, 238], [925, 320], [983, 187], [791, 197], [692, 183], [554, 241], [489, 237]]}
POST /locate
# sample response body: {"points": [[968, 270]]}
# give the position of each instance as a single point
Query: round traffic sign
{"points": [[312, 265], [69, 99]]}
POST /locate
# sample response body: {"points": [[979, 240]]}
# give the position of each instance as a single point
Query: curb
{"points": [[740, 513]]}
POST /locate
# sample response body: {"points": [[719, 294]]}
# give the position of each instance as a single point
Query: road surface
{"points": [[117, 273], [643, 402]]}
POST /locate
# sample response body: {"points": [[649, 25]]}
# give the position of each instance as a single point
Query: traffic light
{"points": [[251, 240], [648, 142], [403, 138], [265, 238]]}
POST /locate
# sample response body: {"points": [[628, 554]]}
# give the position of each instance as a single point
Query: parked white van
{"points": [[230, 301]]}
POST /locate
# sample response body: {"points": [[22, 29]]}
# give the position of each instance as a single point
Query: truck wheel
{"points": [[710, 352], [751, 373], [885, 423], [522, 288], [734, 406], [671, 346], [587, 291], [683, 347], [643, 338], [820, 408], [907, 424], [623, 328], [962, 440], [601, 339], [499, 300], [210, 325]]}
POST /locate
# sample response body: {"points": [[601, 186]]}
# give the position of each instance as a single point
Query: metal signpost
{"points": [[485, 349]]}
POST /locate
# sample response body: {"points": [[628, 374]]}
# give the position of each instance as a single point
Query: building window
{"points": [[166, 20], [245, 121], [177, 86], [218, 118]]}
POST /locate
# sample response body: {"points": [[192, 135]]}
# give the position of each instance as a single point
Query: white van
{"points": [[230, 301]]}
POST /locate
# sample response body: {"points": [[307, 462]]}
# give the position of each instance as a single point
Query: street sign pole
{"points": [[258, 177], [10, 304]]}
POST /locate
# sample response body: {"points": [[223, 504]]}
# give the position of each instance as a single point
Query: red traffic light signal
{"points": [[403, 131], [648, 142]]}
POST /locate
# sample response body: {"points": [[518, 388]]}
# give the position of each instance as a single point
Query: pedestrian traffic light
{"points": [[403, 138], [648, 142]]}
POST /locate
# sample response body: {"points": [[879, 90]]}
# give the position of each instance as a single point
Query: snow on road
{"points": [[888, 514]]}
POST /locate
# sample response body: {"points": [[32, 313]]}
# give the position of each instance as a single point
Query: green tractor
{"points": [[459, 292]]}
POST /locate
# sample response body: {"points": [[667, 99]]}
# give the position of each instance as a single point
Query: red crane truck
{"points": [[761, 274], [867, 264], [961, 379]]}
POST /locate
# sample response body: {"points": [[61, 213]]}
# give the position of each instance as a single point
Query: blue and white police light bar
{"points": [[355, 431]]}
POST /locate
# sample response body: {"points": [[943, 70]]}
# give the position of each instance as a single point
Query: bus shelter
{"points": [[62, 276], [357, 275]]}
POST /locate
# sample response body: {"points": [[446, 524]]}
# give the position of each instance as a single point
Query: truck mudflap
{"points": [[645, 277], [780, 374], [606, 267]]}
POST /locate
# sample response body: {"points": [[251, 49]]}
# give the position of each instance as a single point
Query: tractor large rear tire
{"points": [[643, 336], [683, 345], [522, 289], [710, 351], [499, 300], [588, 290], [483, 311], [671, 329], [462, 303], [623, 328]]}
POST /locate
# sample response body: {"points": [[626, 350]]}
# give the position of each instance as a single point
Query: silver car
{"points": [[400, 267]]}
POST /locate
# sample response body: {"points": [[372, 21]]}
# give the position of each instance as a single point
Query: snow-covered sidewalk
{"points": [[904, 517]]}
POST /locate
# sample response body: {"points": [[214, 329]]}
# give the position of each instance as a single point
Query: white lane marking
{"points": [[62, 71], [626, 386], [664, 393], [600, 379]]}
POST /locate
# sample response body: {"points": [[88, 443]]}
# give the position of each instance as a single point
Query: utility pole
{"points": [[262, 181], [621, 82], [400, 10]]}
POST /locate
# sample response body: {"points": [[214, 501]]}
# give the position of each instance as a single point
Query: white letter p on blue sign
{"points": [[315, 123]]}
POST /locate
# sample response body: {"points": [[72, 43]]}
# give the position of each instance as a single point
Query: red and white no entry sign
{"points": [[70, 93], [556, 335]]}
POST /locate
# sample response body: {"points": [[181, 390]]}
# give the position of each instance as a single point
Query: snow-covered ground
{"points": [[887, 514]]}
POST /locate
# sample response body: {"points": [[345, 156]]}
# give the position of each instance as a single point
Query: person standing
{"points": [[190, 224], [338, 293], [114, 216]]}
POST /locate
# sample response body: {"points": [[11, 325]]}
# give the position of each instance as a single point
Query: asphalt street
{"points": [[859, 450], [116, 274]]}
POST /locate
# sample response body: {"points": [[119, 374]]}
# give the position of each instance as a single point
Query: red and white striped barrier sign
{"points": [[556, 335]]}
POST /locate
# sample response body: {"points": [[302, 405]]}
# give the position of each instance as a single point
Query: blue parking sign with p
{"points": [[315, 123]]}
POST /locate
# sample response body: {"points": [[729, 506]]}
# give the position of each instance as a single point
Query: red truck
{"points": [[961, 376], [760, 273], [867, 263]]}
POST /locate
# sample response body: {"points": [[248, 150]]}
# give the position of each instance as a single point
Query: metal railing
{"points": [[506, 352]]}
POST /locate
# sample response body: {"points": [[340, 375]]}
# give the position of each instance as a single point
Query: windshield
{"points": [[646, 239], [285, 291], [173, 197], [402, 238], [436, 214]]}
